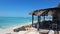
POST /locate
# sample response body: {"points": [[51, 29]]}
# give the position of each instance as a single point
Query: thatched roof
{"points": [[45, 11]]}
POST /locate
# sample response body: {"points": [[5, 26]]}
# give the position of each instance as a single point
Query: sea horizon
{"points": [[7, 22]]}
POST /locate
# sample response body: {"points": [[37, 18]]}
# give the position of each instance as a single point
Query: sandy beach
{"points": [[5, 31], [10, 30]]}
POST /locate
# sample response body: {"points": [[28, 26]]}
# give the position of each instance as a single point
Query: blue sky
{"points": [[21, 8]]}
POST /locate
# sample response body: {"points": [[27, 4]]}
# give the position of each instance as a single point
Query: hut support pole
{"points": [[38, 22], [32, 19], [44, 17]]}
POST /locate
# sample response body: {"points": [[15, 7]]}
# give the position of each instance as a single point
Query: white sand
{"points": [[4, 31], [10, 30]]}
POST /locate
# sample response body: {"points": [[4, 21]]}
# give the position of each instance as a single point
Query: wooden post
{"points": [[44, 17], [32, 19], [38, 22]]}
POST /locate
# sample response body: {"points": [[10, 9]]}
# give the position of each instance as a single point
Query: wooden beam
{"points": [[32, 19], [38, 22]]}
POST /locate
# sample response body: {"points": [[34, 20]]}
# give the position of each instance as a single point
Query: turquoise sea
{"points": [[6, 22]]}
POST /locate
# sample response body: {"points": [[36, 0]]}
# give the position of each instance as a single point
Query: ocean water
{"points": [[6, 22]]}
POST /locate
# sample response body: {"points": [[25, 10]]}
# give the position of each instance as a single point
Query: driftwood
{"points": [[23, 28], [19, 29]]}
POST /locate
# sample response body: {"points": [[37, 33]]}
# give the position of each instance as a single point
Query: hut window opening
{"points": [[47, 18]]}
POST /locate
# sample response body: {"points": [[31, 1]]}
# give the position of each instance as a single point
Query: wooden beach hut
{"points": [[54, 12]]}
